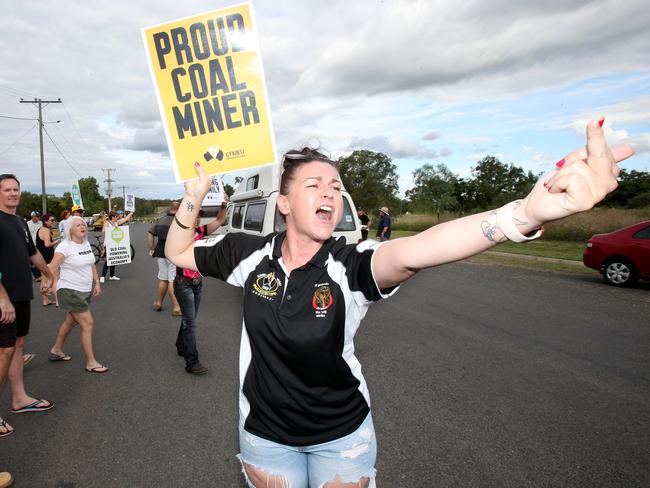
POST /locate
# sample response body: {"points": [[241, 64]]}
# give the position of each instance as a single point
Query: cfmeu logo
{"points": [[213, 152], [266, 285]]}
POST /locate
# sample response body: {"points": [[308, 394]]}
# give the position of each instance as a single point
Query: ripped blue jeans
{"points": [[347, 459]]}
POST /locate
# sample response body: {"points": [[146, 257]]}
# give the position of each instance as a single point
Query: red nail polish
{"points": [[560, 163], [546, 185], [196, 164], [601, 122]]}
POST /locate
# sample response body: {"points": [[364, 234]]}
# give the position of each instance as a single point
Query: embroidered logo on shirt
{"points": [[266, 285], [322, 300]]}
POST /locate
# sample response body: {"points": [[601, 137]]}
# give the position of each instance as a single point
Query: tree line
{"points": [[371, 178], [93, 201]]}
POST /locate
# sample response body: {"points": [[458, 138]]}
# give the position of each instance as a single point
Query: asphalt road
{"points": [[479, 376]]}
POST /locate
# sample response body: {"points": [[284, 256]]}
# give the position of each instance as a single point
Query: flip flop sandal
{"points": [[97, 369], [5, 425], [34, 407], [56, 357], [27, 358]]}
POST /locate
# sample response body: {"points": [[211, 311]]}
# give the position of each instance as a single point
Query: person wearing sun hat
{"points": [[383, 226], [77, 210]]}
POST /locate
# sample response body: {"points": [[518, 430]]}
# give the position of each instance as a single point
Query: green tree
{"points": [[371, 178], [495, 183], [633, 190], [93, 200], [434, 189]]}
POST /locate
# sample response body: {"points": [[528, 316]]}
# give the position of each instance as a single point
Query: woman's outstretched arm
{"points": [[581, 180]]}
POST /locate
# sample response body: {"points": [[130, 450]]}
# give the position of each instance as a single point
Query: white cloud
{"points": [[341, 74]]}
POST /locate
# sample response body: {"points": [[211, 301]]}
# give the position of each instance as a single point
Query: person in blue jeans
{"points": [[187, 287]]}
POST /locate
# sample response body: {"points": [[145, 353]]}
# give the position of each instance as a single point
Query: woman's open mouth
{"points": [[325, 213]]}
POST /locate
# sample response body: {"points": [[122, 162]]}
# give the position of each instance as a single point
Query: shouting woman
{"points": [[305, 417]]}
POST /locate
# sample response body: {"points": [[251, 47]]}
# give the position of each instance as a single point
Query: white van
{"points": [[252, 208]]}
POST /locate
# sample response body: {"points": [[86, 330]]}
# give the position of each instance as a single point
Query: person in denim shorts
{"points": [[305, 417]]}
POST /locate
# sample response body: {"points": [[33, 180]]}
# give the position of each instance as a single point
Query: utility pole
{"points": [[124, 198], [40, 134], [109, 189]]}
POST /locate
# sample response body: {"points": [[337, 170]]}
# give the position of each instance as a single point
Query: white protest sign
{"points": [[129, 203], [118, 245], [215, 195]]}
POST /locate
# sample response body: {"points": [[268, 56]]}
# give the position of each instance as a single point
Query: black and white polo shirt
{"points": [[300, 383]]}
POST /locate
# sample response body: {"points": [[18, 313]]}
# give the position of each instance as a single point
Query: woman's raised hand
{"points": [[583, 179], [198, 188]]}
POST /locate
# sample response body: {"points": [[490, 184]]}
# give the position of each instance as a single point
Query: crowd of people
{"points": [[65, 269], [305, 416]]}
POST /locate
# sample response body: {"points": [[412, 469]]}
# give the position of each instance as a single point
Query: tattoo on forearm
{"points": [[518, 222], [190, 206], [491, 231]]}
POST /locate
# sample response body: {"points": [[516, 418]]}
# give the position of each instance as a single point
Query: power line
{"points": [[74, 127], [19, 138], [61, 153], [15, 93], [16, 118]]}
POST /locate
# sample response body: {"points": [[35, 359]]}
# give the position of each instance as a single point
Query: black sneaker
{"points": [[198, 368]]}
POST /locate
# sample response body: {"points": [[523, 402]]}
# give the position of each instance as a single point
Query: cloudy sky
{"points": [[421, 81]]}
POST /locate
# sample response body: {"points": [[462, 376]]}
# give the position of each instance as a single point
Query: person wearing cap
{"points": [[383, 226], [77, 210], [365, 223]]}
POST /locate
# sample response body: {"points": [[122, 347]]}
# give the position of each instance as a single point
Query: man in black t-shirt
{"points": [[365, 223], [156, 237], [17, 253]]}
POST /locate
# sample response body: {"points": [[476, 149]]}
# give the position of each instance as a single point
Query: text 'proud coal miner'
{"points": [[208, 99]]}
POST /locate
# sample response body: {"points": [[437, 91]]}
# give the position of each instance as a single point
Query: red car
{"points": [[622, 256]]}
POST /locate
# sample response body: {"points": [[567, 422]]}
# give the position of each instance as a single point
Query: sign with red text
{"points": [[208, 76]]}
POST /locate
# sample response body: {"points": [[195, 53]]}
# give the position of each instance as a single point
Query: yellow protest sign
{"points": [[208, 76]]}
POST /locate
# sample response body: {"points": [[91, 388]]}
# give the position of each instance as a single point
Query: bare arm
{"points": [[97, 289], [7, 311], [218, 222], [151, 240], [584, 179], [47, 237], [54, 266], [179, 246], [125, 219], [48, 281]]}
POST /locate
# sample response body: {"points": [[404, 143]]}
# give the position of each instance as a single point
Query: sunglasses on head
{"points": [[305, 155]]}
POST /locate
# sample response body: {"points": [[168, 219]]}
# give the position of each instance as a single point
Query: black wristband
{"points": [[179, 223]]}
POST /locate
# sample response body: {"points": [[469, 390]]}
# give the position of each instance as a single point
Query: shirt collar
{"points": [[322, 255]]}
